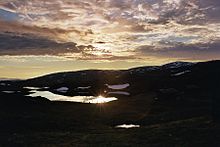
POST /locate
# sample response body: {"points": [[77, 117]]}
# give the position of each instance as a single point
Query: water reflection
{"points": [[82, 99], [125, 126], [101, 99]]}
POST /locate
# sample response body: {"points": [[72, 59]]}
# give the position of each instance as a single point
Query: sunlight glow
{"points": [[101, 99]]}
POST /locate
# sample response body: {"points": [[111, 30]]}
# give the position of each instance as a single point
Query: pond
{"points": [[82, 99], [127, 126]]}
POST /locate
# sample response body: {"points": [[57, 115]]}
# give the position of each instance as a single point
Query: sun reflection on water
{"points": [[82, 99], [101, 99]]}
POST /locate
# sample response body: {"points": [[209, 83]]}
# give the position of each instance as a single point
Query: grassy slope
{"points": [[73, 124]]}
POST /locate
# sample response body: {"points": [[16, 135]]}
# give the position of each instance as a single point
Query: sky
{"points": [[38, 37]]}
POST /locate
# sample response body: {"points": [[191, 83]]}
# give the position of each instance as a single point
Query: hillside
{"points": [[176, 104]]}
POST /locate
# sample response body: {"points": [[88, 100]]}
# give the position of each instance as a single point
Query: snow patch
{"points": [[181, 73], [118, 87], [177, 65], [142, 70], [119, 93], [3, 84], [8, 91], [84, 88], [62, 89]]}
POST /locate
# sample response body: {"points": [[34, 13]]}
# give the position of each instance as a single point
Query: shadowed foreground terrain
{"points": [[175, 105]]}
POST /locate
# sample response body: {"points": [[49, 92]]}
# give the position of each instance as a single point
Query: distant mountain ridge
{"points": [[171, 65], [178, 75]]}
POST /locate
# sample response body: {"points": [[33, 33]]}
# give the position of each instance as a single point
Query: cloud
{"points": [[104, 57], [112, 28], [53, 33], [200, 51], [26, 44]]}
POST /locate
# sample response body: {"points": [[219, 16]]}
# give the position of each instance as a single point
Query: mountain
{"points": [[178, 74]]}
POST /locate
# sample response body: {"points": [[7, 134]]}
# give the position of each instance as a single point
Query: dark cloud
{"points": [[205, 51], [213, 11], [17, 27], [20, 44]]}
